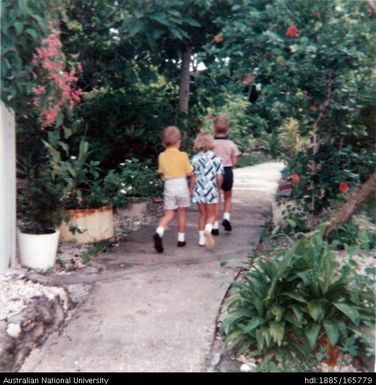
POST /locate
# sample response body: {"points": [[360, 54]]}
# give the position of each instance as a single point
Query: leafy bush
{"points": [[88, 185], [134, 180], [293, 303], [82, 178], [39, 206]]}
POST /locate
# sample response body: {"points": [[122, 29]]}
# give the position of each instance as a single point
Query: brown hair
{"points": [[221, 125], [171, 135], [203, 142]]}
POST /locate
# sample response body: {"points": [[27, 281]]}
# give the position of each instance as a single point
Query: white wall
{"points": [[7, 189]]}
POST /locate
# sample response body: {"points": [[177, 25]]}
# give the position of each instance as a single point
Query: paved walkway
{"points": [[152, 312]]}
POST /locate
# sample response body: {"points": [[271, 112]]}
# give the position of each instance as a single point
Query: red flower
{"points": [[343, 187], [295, 179], [317, 14], [219, 38], [292, 31]]}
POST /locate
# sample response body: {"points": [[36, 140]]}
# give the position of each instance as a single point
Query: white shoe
{"points": [[209, 239], [201, 242]]}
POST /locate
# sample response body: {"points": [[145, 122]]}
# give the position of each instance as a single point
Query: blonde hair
{"points": [[221, 125], [203, 142], [171, 135]]}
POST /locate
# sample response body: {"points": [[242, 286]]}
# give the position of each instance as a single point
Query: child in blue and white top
{"points": [[206, 180]]}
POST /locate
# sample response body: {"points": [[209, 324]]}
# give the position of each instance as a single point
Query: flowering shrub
{"points": [[87, 185], [292, 31], [56, 89], [343, 187], [134, 180]]}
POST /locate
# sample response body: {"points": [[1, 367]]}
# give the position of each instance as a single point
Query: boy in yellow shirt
{"points": [[175, 167]]}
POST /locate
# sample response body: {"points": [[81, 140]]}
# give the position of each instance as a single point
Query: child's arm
{"points": [[219, 181], [192, 182], [234, 154]]}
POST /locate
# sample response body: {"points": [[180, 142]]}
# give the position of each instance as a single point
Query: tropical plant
{"points": [[80, 176], [297, 302], [40, 207], [133, 181]]}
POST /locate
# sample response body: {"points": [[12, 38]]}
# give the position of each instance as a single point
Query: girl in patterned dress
{"points": [[205, 182]]}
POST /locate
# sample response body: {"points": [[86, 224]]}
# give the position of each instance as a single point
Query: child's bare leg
{"points": [[201, 216], [166, 219], [228, 201], [201, 223], [215, 230], [210, 217], [211, 213], [227, 210], [181, 226], [182, 219]]}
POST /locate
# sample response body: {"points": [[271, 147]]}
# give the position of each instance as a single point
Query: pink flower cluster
{"points": [[56, 89]]}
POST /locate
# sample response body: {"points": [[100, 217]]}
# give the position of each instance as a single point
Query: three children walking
{"points": [[209, 171]]}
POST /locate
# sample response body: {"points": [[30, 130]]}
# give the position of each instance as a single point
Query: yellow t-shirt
{"points": [[173, 163]]}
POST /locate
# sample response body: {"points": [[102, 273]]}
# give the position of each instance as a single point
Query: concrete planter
{"points": [[38, 251], [135, 210], [88, 225]]}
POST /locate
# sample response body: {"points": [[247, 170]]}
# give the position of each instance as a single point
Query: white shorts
{"points": [[176, 194]]}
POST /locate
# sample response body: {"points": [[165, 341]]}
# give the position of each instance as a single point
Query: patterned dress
{"points": [[206, 167]]}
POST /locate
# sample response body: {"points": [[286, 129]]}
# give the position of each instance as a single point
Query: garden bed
{"points": [[225, 360]]}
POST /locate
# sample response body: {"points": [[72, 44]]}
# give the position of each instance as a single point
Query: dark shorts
{"points": [[228, 179]]}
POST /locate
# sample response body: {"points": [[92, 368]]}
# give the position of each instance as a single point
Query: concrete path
{"points": [[152, 312]]}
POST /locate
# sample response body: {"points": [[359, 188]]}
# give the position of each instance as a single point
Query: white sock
{"points": [[201, 238], [209, 227], [216, 225], [181, 237], [226, 216], [160, 231]]}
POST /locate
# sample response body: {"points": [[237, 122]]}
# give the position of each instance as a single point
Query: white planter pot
{"points": [[88, 225], [38, 251]]}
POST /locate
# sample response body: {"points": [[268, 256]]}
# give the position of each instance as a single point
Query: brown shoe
{"points": [[209, 240]]}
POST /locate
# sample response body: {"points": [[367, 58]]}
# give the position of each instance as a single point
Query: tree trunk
{"points": [[371, 6], [357, 198], [315, 149], [184, 80]]}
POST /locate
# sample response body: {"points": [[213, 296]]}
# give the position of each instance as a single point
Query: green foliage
{"points": [[291, 142], [246, 160], [39, 205], [126, 122], [24, 23], [87, 185], [81, 177], [291, 303], [132, 181], [95, 249], [294, 219], [330, 58]]}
